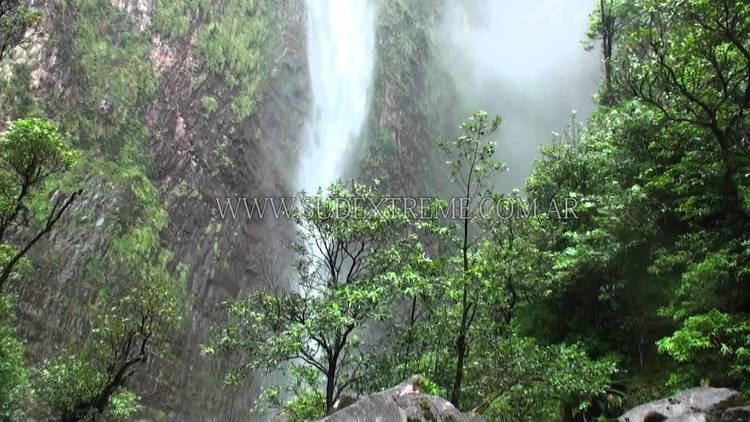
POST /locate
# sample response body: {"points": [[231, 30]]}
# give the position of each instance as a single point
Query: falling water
{"points": [[340, 52]]}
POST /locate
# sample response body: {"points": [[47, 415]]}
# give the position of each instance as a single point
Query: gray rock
{"points": [[736, 414], [403, 403], [694, 405]]}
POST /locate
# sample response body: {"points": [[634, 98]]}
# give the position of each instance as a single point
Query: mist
{"points": [[524, 61]]}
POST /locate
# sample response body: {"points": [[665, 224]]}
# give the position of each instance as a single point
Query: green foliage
{"points": [[470, 162], [307, 406], [471, 155], [123, 405], [531, 312], [170, 18], [91, 379], [63, 380], [715, 344], [15, 93], [139, 302], [15, 18], [209, 103], [473, 287], [13, 372], [112, 81], [143, 301], [519, 380], [699, 172], [346, 252], [233, 40], [137, 283], [32, 150], [658, 252]]}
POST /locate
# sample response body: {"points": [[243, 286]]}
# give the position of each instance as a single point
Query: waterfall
{"points": [[340, 53]]}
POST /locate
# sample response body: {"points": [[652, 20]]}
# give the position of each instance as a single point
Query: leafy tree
{"points": [[92, 379], [345, 250], [659, 176], [31, 152], [600, 278], [608, 22], [521, 380], [473, 277], [691, 65], [471, 161], [714, 342]]}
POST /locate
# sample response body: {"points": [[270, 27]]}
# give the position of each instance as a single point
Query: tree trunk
{"points": [[330, 386], [464, 328], [461, 353], [607, 18], [733, 209]]}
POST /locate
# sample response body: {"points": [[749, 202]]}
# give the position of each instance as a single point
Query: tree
{"points": [[692, 63], [520, 380], [658, 250], [31, 152], [608, 23], [471, 161], [92, 379], [345, 251], [508, 270]]}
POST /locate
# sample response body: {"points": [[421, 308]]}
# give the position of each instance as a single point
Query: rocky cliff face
{"points": [[413, 104], [109, 76]]}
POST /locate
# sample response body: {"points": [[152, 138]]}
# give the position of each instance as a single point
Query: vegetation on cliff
{"points": [[135, 280]]}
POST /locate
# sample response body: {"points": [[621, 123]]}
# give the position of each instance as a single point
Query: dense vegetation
{"points": [[617, 274], [643, 292]]}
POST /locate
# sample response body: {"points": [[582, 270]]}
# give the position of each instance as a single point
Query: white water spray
{"points": [[340, 52]]}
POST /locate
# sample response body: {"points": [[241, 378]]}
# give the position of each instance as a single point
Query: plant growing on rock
{"points": [[31, 152], [92, 379], [15, 18]]}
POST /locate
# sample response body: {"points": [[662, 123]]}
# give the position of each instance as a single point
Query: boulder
{"points": [[406, 402], [736, 414], [702, 404]]}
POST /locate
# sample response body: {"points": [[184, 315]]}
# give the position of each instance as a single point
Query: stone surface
{"points": [[694, 405], [736, 414], [195, 157], [403, 403]]}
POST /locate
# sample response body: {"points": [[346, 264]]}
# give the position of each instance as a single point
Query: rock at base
{"points": [[736, 414], [404, 403], [694, 405]]}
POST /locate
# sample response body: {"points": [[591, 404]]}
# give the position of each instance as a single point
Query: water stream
{"points": [[341, 54]]}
